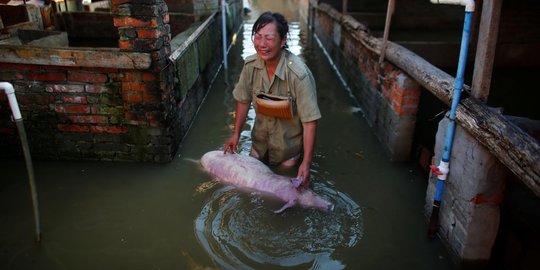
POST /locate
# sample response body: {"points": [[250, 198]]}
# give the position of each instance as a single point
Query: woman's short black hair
{"points": [[269, 17]]}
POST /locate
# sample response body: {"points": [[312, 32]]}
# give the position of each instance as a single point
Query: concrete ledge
{"points": [[91, 57]]}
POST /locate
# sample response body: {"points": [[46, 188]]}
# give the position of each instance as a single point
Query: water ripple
{"points": [[240, 231]]}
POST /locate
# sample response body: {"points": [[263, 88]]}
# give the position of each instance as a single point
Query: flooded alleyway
{"points": [[98, 215]]}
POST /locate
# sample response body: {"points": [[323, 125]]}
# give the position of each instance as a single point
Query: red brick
{"points": [[35, 98], [32, 107], [396, 96], [73, 128], [132, 97], [88, 119], [79, 109], [52, 76], [88, 77], [410, 100], [148, 76], [148, 33], [75, 99], [124, 44], [411, 92], [109, 129], [134, 86], [97, 89], [65, 88], [127, 21], [127, 76]]}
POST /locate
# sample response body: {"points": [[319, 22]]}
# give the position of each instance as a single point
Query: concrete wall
{"points": [[110, 103], [390, 101], [472, 194]]}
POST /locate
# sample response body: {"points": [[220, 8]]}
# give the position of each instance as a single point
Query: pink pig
{"points": [[250, 173]]}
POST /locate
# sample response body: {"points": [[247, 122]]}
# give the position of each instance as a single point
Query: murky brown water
{"points": [[98, 215]]}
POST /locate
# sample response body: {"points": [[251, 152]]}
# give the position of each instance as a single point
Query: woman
{"points": [[275, 70]]}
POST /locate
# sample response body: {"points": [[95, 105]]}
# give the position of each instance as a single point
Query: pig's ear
{"points": [[290, 203]]}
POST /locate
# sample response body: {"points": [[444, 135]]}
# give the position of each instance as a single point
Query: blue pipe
{"points": [[443, 168]]}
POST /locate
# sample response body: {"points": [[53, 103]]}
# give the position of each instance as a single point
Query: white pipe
{"points": [[224, 33], [10, 92], [469, 4]]}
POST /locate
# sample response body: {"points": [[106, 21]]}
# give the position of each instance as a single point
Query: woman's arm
{"points": [[310, 130], [240, 118]]}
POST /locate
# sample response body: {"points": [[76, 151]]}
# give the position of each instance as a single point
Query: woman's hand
{"points": [[303, 173], [231, 143], [240, 119]]}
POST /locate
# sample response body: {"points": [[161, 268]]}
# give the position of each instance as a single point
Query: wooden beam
{"points": [[485, 49], [513, 147], [80, 57], [516, 149]]}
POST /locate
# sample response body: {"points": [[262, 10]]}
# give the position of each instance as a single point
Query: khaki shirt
{"points": [[280, 139]]}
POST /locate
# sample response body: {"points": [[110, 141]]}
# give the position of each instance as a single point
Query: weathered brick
{"points": [[52, 76], [109, 129], [149, 76], [75, 99], [132, 97], [69, 88], [73, 128], [101, 69], [127, 76], [134, 86], [136, 22], [88, 119], [94, 88], [79, 109], [34, 99], [100, 109], [88, 77], [148, 33]]}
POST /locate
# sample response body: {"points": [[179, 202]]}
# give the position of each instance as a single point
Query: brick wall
{"points": [[108, 103], [388, 96]]}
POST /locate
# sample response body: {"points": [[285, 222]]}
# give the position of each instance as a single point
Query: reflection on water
{"points": [[240, 231]]}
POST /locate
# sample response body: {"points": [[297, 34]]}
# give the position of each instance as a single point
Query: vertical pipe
{"points": [[224, 33], [389, 12], [442, 170], [10, 92], [30, 171]]}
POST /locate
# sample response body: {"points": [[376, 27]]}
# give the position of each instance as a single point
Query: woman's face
{"points": [[268, 43]]}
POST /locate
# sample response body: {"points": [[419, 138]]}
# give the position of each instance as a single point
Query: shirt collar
{"points": [[280, 69]]}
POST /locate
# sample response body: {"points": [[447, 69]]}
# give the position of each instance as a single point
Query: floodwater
{"points": [[101, 215]]}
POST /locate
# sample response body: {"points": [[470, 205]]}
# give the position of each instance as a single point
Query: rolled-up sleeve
{"points": [[306, 99]]}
